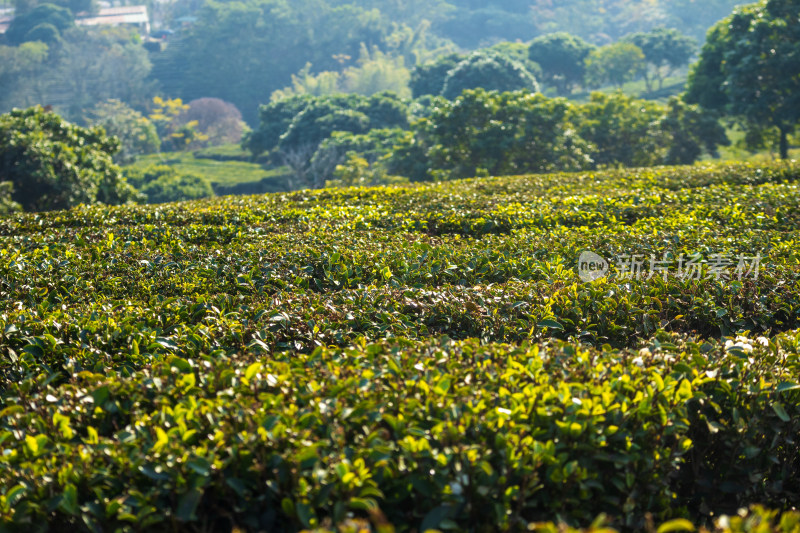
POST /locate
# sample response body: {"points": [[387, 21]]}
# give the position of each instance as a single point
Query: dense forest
{"points": [[371, 45], [316, 93]]}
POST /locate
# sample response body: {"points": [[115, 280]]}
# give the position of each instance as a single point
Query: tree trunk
{"points": [[784, 142]]}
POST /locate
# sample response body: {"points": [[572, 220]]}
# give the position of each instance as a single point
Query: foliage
{"points": [[614, 64], [489, 71], [217, 122], [162, 183], [175, 130], [297, 125], [7, 203], [56, 165], [498, 134], [429, 78], [94, 65], [750, 68], [664, 51], [22, 28], [514, 133], [371, 149], [273, 40], [20, 67], [356, 171], [562, 58], [423, 355], [475, 24], [220, 170], [376, 73], [305, 83], [606, 21], [136, 134]]}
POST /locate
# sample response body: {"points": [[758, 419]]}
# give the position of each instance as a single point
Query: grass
{"points": [[222, 173]]}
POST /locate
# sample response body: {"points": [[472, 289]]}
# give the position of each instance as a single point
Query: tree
{"points": [[306, 83], [377, 72], [96, 65], [299, 120], [175, 134], [622, 130], [428, 79], [43, 17], [749, 68], [695, 17], [562, 58], [242, 52], [493, 133], [135, 133], [616, 64], [21, 69], [665, 50], [473, 25], [372, 147], [519, 52], [490, 71], [218, 122], [356, 171], [691, 131], [275, 119], [56, 165], [7, 203]]}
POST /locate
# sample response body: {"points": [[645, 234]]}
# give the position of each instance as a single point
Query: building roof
{"points": [[115, 15], [5, 21], [110, 16]]}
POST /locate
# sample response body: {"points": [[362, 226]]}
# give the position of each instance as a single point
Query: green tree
{"points": [[42, 16], [7, 203], [614, 64], [622, 130], [562, 58], [306, 83], [629, 132], [56, 165], [428, 79], [490, 71], [665, 50], [373, 147], [96, 65], [275, 119], [691, 132], [377, 72], [305, 121], [494, 133], [749, 68], [136, 134], [21, 74], [242, 52], [356, 171], [695, 17]]}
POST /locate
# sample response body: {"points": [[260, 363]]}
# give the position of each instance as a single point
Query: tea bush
{"points": [[424, 356]]}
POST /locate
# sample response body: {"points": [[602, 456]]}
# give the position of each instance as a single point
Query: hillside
{"points": [[425, 356]]}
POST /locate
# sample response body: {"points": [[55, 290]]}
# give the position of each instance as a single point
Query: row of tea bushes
{"points": [[434, 434]]}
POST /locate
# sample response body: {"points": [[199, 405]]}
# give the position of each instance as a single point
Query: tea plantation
{"points": [[410, 358]]}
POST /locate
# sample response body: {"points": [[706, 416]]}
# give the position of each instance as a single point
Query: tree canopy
{"points": [[491, 71], [749, 68], [664, 51], [57, 165], [562, 58]]}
